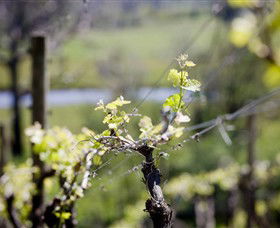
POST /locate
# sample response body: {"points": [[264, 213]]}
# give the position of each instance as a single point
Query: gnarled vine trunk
{"points": [[160, 212]]}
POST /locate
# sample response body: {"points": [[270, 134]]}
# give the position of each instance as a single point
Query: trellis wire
{"points": [[207, 126], [211, 124], [192, 41]]}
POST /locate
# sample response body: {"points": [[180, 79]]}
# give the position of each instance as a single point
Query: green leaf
{"points": [[145, 124], [271, 76], [97, 160], [191, 85], [100, 106], [118, 102], [106, 133], [173, 102], [63, 215], [190, 63], [242, 3], [148, 129], [180, 118], [174, 77], [184, 62]]}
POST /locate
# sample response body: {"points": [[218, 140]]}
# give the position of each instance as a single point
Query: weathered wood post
{"points": [[39, 81], [252, 135], [16, 120], [3, 148], [39, 114], [205, 212], [247, 183], [231, 206]]}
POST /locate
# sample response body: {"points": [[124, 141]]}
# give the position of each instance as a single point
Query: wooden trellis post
{"points": [[39, 81], [251, 157], [252, 135], [3, 148], [39, 114], [247, 183], [205, 212]]}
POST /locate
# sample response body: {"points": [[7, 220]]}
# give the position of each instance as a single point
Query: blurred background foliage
{"points": [[125, 45]]}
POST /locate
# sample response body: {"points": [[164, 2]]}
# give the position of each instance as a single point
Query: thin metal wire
{"points": [[245, 110], [191, 42], [211, 124], [205, 128]]}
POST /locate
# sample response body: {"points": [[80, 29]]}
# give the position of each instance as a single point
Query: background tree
{"points": [[20, 19]]}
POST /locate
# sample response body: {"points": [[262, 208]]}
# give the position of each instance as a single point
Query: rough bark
{"points": [[71, 222], [49, 217], [12, 215], [160, 212]]}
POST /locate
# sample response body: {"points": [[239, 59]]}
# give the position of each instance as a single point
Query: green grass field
{"points": [[139, 54]]}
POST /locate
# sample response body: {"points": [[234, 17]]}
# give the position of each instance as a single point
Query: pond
{"points": [[88, 96]]}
